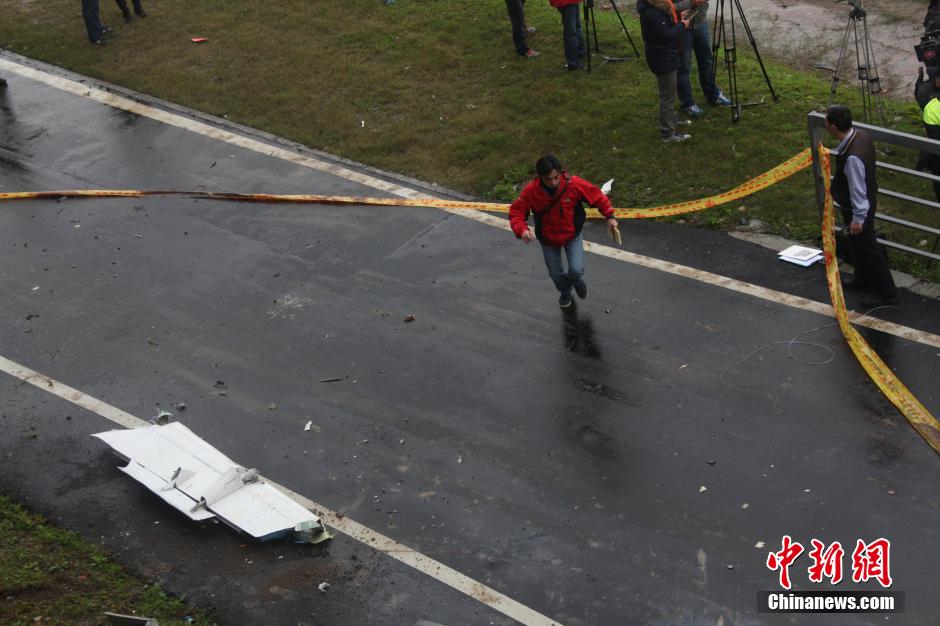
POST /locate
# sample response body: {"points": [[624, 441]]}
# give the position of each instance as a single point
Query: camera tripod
{"points": [[720, 38], [869, 82], [591, 24]]}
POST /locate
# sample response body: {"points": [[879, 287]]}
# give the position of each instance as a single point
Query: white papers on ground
{"points": [[201, 482], [801, 255]]}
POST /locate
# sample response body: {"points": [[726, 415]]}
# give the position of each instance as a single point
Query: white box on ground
{"points": [[201, 482]]}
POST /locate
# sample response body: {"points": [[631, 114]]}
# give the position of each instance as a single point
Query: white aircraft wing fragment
{"points": [[201, 482]]}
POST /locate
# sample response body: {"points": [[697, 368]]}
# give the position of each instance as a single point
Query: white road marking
{"points": [[179, 121], [386, 545]]}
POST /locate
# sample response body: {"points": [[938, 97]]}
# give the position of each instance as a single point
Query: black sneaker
{"points": [[857, 285], [881, 301], [564, 300], [580, 288]]}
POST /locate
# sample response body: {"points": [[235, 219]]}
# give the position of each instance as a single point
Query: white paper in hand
{"points": [[605, 188]]}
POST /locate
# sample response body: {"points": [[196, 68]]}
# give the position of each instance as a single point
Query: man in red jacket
{"points": [[571, 31], [556, 199]]}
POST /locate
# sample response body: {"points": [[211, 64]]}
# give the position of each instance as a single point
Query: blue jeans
{"points": [[574, 40], [563, 280], [698, 40], [92, 22]]}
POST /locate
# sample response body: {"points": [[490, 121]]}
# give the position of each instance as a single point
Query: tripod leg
{"points": [[842, 51], [760, 61], [874, 80], [624, 26], [588, 8], [716, 36], [731, 57]]}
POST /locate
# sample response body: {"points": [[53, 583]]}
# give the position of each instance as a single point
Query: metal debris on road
{"points": [[702, 489], [202, 483], [323, 587], [309, 425], [331, 380], [410, 318]]}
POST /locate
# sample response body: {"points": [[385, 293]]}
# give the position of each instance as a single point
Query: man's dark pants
{"points": [[870, 264], [92, 21], [516, 9], [574, 40], [697, 40]]}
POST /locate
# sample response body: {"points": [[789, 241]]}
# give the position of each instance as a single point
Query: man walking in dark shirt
{"points": [[855, 188]]}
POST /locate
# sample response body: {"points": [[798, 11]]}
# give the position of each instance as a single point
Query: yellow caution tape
{"points": [[913, 410], [919, 417], [771, 177]]}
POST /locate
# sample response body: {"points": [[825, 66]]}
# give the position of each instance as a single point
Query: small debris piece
{"points": [[36, 288], [220, 384], [199, 39], [759, 544], [359, 443], [730, 566], [711, 462], [402, 442], [330, 380], [139, 236], [702, 489], [32, 316], [683, 366], [460, 458], [409, 318], [323, 587], [606, 310], [161, 417], [152, 342], [745, 505], [272, 407], [891, 492], [180, 406], [309, 425]]}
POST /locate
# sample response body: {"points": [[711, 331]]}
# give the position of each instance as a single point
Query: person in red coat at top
{"points": [[556, 199], [571, 25]]}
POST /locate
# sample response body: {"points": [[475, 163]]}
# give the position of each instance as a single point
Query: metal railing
{"points": [[817, 133]]}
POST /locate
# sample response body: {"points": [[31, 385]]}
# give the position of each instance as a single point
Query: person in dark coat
{"points": [[855, 188], [662, 29], [126, 12]]}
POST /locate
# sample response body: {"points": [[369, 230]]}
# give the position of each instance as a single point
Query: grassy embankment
{"points": [[432, 89], [52, 576]]}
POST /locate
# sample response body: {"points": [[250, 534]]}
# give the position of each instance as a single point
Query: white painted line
{"points": [[207, 130], [386, 545]]}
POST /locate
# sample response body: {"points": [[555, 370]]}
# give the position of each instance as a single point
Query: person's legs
{"points": [[92, 22], [667, 103], [683, 84], [139, 9], [702, 46], [574, 250], [517, 18], [556, 270], [875, 267], [571, 32]]}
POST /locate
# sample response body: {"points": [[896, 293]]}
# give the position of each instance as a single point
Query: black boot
{"points": [[125, 11]]}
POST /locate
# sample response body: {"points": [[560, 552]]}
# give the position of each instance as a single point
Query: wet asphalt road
{"points": [[558, 458]]}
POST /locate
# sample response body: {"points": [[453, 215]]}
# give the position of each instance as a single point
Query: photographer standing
{"points": [[571, 31], [925, 92], [662, 30], [697, 39]]}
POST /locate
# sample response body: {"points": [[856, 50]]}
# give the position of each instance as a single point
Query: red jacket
{"points": [[562, 3], [558, 219]]}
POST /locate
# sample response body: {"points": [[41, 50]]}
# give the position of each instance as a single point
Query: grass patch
{"points": [[432, 89], [52, 576]]}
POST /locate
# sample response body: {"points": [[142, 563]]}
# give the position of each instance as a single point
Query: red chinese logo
{"points": [[784, 559], [872, 561], [869, 561], [826, 563]]}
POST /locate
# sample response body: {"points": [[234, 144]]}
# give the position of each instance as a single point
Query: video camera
{"points": [[928, 51]]}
